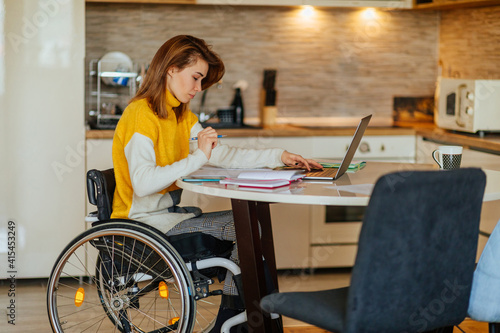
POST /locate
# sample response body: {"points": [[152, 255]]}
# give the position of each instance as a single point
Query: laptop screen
{"points": [[358, 135], [346, 161]]}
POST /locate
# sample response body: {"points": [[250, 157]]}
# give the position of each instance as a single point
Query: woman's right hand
{"points": [[207, 140]]}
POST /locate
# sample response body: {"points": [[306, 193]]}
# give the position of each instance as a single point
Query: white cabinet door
{"points": [[398, 148], [297, 145], [98, 157], [99, 154], [291, 235]]}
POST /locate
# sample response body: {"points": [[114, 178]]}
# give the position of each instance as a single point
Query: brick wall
{"points": [[336, 64], [470, 43]]}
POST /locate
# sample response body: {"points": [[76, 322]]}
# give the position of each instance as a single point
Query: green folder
{"points": [[352, 167]]}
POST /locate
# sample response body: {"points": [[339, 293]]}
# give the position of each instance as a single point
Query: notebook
{"points": [[265, 179], [336, 173]]}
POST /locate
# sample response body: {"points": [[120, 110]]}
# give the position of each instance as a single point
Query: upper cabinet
{"points": [[451, 4], [318, 3], [188, 2], [406, 4], [324, 3], [403, 4]]}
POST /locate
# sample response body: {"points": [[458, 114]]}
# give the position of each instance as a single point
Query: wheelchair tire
{"points": [[138, 283]]}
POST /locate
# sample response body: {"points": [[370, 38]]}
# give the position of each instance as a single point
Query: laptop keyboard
{"points": [[326, 172]]}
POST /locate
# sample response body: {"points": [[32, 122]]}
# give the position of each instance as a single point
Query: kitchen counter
{"points": [[489, 143], [283, 131]]}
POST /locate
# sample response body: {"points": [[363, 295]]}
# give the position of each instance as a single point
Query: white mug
{"points": [[449, 157]]}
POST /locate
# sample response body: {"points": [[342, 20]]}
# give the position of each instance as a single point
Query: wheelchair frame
{"points": [[135, 261]]}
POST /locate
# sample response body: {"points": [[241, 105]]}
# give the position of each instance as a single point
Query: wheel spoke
{"points": [[116, 269]]}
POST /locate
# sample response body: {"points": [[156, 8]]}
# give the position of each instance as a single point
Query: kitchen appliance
{"points": [[468, 105]]}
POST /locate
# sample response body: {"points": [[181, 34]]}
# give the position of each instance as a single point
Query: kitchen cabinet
{"points": [[148, 1], [398, 4], [98, 156], [389, 148], [452, 4], [490, 214], [319, 3]]}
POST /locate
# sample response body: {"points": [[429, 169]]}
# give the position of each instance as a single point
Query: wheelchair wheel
{"points": [[120, 276]]}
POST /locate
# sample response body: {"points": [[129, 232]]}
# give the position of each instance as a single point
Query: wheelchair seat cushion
{"points": [[197, 245]]}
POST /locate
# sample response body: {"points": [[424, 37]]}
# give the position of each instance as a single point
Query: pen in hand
{"points": [[196, 138]]}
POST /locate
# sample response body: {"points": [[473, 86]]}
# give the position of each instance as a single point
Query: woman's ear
{"points": [[172, 70]]}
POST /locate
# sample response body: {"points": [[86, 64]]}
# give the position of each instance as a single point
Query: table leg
{"points": [[250, 253], [264, 216]]}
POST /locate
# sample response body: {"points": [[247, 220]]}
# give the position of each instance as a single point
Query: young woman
{"points": [[151, 149]]}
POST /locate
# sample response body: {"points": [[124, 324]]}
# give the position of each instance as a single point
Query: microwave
{"points": [[467, 105]]}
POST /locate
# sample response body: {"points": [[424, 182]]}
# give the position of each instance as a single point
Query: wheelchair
{"points": [[124, 275]]}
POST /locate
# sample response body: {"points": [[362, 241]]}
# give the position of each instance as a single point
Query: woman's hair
{"points": [[180, 51]]}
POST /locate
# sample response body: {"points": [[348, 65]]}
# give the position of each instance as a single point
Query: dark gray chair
{"points": [[415, 261]]}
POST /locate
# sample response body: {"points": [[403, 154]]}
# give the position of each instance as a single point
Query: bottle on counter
{"points": [[237, 106]]}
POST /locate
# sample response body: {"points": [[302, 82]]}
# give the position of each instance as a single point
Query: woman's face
{"points": [[185, 83]]}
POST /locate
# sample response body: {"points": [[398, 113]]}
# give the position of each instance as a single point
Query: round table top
{"points": [[352, 189]]}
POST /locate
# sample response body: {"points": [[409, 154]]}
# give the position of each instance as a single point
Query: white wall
{"points": [[42, 171]]}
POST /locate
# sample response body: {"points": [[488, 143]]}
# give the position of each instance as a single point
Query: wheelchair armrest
{"points": [[100, 190], [91, 189]]}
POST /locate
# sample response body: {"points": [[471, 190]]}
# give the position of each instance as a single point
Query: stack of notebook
{"points": [[265, 179]]}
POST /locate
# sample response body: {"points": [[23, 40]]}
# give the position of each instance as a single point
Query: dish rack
{"points": [[109, 93]]}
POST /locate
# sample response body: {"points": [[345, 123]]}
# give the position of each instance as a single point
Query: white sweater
{"points": [[160, 210]]}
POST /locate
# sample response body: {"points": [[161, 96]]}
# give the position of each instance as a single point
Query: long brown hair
{"points": [[180, 51]]}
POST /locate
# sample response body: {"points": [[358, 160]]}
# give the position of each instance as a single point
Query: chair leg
{"points": [[494, 327]]}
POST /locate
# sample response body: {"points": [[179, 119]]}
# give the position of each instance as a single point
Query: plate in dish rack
{"points": [[116, 62]]}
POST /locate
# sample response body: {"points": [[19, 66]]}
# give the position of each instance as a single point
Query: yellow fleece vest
{"points": [[170, 139]]}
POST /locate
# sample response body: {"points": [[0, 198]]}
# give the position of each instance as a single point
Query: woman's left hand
{"points": [[290, 159]]}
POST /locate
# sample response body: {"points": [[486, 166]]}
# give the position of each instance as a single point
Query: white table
{"points": [[251, 206]]}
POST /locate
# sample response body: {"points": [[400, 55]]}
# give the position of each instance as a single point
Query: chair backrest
{"points": [[416, 253], [100, 190]]}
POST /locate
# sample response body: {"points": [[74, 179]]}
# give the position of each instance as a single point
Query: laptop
{"points": [[336, 173]]}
